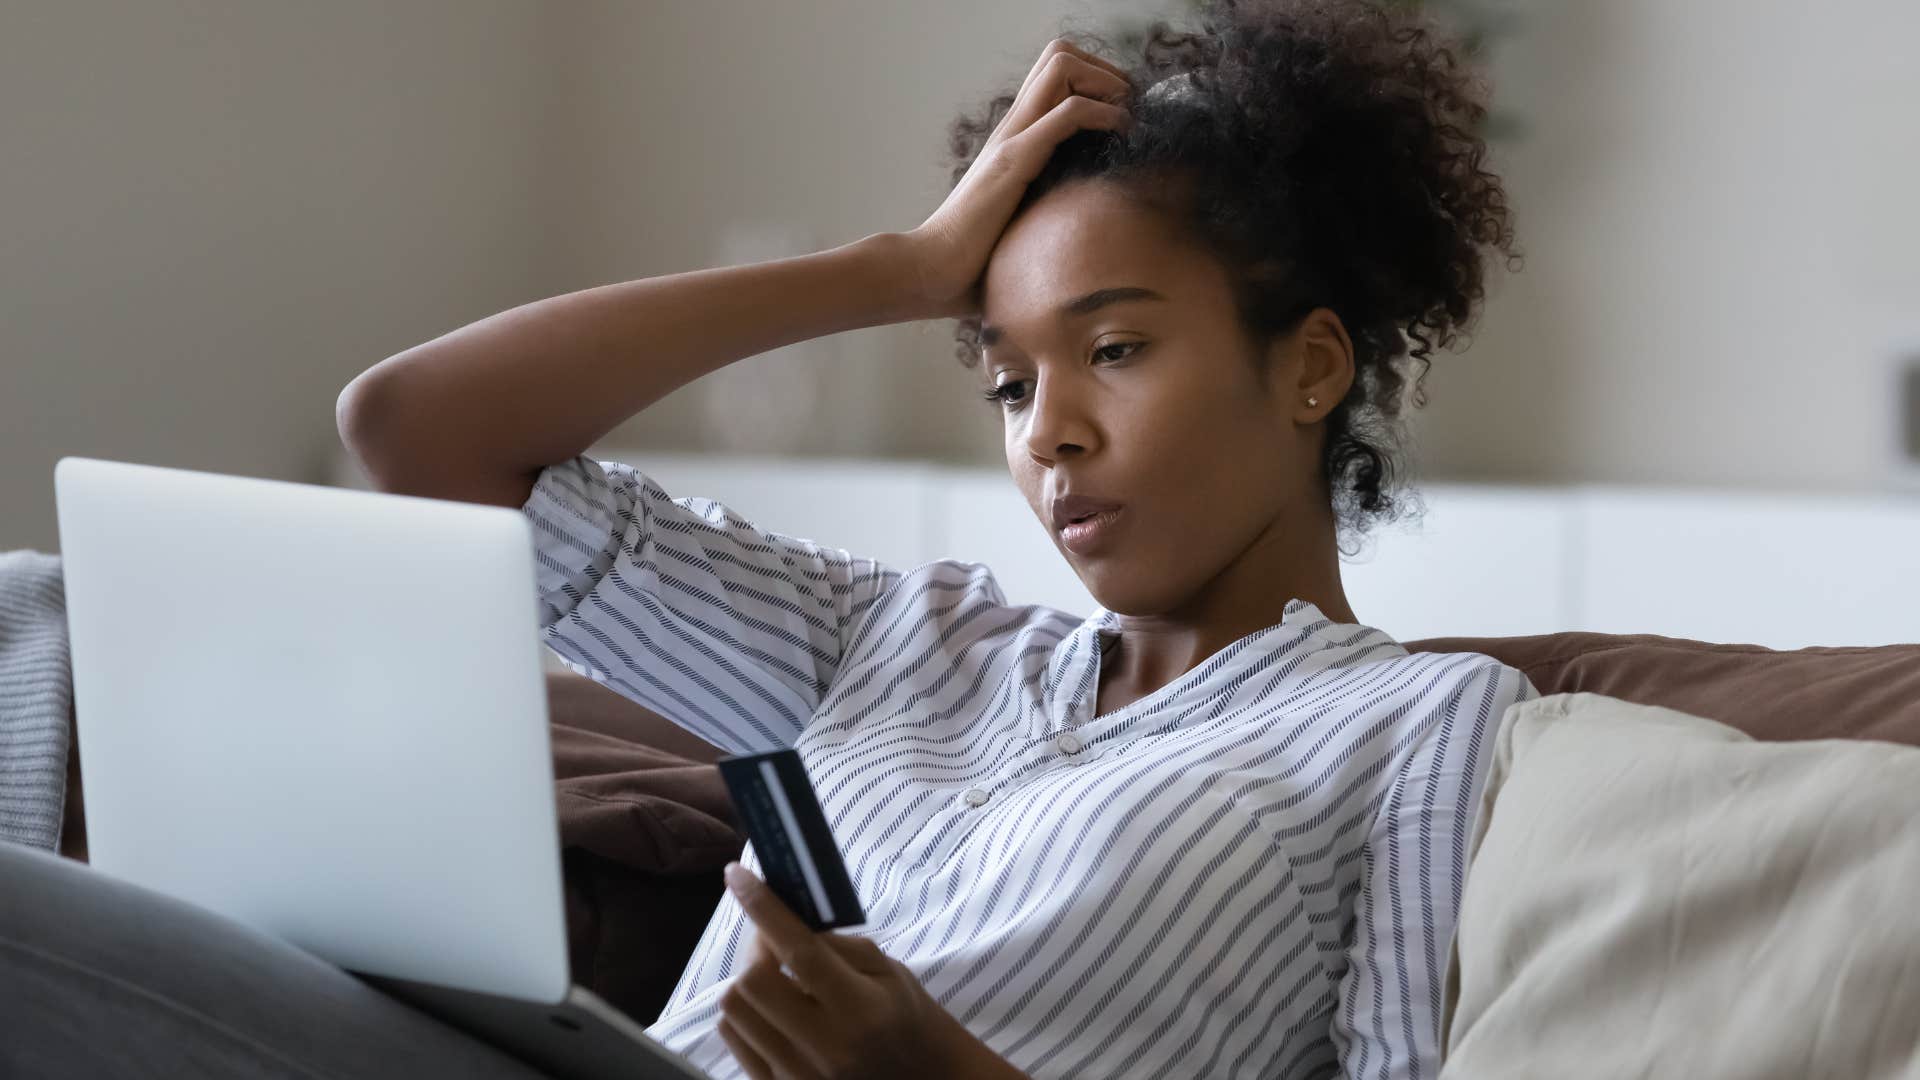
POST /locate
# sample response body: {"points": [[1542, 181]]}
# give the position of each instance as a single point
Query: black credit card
{"points": [[798, 857]]}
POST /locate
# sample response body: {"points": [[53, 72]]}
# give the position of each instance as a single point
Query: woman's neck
{"points": [[1249, 595]]}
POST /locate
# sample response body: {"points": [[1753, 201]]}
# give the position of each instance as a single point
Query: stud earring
{"points": [[1311, 402]]}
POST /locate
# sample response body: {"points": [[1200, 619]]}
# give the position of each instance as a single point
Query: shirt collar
{"points": [[1073, 670]]}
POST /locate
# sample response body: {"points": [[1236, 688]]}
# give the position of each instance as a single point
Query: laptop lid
{"points": [[319, 712]]}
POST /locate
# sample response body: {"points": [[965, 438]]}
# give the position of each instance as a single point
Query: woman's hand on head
{"points": [[847, 1010], [1068, 90]]}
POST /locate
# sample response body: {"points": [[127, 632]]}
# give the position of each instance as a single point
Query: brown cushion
{"points": [[643, 835], [639, 806], [1815, 693], [582, 703]]}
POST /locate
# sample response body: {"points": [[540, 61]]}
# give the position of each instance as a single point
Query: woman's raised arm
{"points": [[475, 414]]}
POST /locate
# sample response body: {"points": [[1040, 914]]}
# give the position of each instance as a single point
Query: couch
{"points": [[646, 823]]}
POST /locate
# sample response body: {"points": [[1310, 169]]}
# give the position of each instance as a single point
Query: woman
{"points": [[1215, 829]]}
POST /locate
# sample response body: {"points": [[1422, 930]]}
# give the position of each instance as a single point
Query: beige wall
{"points": [[213, 214], [216, 213], [1718, 203]]}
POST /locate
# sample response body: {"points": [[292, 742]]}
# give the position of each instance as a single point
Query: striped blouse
{"points": [[1251, 872]]}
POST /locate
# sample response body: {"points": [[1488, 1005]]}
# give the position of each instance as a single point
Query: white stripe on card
{"points": [[785, 808]]}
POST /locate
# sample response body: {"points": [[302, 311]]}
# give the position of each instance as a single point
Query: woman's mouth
{"points": [[1085, 535]]}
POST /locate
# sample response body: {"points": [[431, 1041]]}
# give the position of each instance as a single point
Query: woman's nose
{"points": [[1059, 426]]}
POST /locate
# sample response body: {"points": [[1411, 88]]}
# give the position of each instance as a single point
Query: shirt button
{"points": [[976, 797], [1069, 743]]}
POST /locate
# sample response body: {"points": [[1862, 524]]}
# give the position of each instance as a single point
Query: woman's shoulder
{"points": [[1481, 669], [1432, 685], [1464, 691], [1462, 664]]}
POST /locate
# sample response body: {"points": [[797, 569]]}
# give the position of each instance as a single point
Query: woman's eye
{"points": [[1008, 393], [1011, 393]]}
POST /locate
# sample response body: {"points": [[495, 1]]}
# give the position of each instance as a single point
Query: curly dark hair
{"points": [[1329, 153]]}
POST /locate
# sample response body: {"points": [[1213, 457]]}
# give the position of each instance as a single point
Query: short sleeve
{"points": [[730, 631], [1413, 870]]}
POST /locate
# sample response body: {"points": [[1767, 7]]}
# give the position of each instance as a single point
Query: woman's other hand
{"points": [[847, 1010], [1068, 90]]}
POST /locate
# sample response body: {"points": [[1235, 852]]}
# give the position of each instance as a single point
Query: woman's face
{"points": [[1126, 378]]}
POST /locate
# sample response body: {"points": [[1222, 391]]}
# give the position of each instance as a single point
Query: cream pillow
{"points": [[1653, 894]]}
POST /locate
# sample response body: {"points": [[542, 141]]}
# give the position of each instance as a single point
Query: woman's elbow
{"points": [[371, 417], [407, 447]]}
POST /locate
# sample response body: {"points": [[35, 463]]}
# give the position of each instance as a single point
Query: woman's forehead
{"points": [[1078, 240]]}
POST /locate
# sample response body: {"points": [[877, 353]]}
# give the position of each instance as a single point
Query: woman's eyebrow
{"points": [[1093, 301]]}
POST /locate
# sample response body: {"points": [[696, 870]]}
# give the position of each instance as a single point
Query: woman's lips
{"points": [[1087, 536]]}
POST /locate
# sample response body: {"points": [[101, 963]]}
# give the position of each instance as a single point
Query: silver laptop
{"points": [[321, 712]]}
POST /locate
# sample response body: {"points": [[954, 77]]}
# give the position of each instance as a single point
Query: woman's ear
{"points": [[1324, 372]]}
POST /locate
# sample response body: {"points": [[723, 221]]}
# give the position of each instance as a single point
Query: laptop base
{"points": [[580, 1038]]}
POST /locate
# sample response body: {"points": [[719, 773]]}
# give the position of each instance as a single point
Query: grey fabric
{"points": [[102, 978], [36, 698]]}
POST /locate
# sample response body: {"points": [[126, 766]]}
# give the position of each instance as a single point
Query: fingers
{"points": [[776, 1017], [998, 178], [776, 922], [1034, 145], [1062, 45], [818, 969], [756, 1042], [1063, 74], [765, 993], [743, 1052]]}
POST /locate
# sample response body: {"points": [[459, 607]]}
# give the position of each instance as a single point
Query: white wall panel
{"points": [[1784, 571], [1482, 561], [1779, 571]]}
